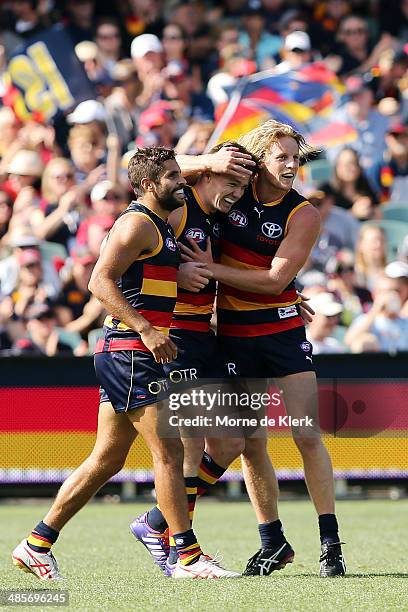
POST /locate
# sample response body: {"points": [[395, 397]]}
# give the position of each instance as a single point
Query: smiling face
{"points": [[224, 191], [281, 163], [169, 190]]}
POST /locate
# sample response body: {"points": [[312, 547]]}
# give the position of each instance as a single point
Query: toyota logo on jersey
{"points": [[271, 230], [170, 244], [237, 218], [196, 234]]}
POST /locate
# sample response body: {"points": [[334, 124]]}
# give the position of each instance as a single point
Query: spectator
{"points": [[58, 217], [320, 330], [390, 176], [384, 320], [365, 343], [79, 19], [342, 283], [144, 16], [256, 41], [174, 43], [371, 255], [147, 55], [30, 285], [350, 186], [42, 339], [369, 124], [87, 146], [109, 42], [24, 170], [178, 86], [296, 51], [9, 130], [74, 293], [398, 270], [339, 229], [157, 126], [6, 211], [95, 68], [189, 15], [27, 20], [122, 105]]}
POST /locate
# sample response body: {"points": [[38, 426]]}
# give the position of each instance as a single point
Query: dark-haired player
{"points": [[135, 280]]}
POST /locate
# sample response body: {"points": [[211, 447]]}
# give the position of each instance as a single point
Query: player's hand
{"points": [[306, 311], [230, 160], [164, 350], [194, 253], [193, 276]]}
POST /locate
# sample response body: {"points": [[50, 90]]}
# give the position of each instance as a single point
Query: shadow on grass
{"points": [[366, 575]]}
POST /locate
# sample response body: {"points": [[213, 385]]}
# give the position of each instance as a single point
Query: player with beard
{"points": [[265, 241], [135, 280]]}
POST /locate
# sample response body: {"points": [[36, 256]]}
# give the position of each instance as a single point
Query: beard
{"points": [[167, 198]]}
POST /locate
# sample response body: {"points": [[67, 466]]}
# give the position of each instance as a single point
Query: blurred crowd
{"points": [[160, 69]]}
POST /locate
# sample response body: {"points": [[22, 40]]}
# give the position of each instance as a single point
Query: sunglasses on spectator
{"points": [[63, 175], [108, 36], [173, 37], [351, 31], [115, 197]]}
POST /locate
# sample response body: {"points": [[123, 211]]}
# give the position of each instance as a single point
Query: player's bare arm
{"points": [[289, 259], [228, 160], [131, 236]]}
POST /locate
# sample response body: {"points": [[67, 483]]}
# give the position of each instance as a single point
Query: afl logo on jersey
{"points": [[170, 244], [237, 218], [196, 234], [271, 230]]}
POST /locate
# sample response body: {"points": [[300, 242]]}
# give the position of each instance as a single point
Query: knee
{"points": [[254, 449], [169, 454], [306, 442], [225, 450], [109, 463]]}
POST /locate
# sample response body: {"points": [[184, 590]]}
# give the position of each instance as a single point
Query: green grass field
{"points": [[107, 570]]}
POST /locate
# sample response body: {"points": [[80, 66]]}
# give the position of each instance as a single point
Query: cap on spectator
{"points": [[26, 163], [145, 43], [100, 190], [297, 40], [397, 269], [86, 50], [23, 241], [326, 304], [156, 115], [39, 311], [87, 111], [28, 257]]}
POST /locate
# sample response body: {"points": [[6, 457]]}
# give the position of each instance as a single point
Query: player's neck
{"points": [[266, 192], [204, 198], [152, 204]]}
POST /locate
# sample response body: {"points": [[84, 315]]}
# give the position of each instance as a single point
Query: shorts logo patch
{"points": [[288, 311], [306, 347], [271, 230], [140, 393], [196, 234], [237, 218], [170, 244]]}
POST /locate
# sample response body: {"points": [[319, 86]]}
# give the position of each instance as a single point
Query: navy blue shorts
{"points": [[130, 379], [272, 356], [196, 356]]}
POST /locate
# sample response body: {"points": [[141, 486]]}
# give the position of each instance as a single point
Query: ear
{"points": [[146, 184]]}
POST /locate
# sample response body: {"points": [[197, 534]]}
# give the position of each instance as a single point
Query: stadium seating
{"points": [[395, 211]]}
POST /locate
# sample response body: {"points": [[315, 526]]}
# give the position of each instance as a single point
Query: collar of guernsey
{"points": [[250, 236], [193, 311], [149, 285]]}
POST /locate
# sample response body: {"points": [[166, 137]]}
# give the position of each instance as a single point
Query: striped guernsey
{"points": [[250, 236]]}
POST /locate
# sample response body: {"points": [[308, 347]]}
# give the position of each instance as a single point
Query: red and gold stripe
{"points": [[245, 256], [258, 329]]}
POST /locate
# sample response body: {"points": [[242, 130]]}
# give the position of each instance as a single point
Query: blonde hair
{"points": [[361, 264], [259, 140], [46, 184]]}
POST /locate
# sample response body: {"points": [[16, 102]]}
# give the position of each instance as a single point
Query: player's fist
{"points": [[193, 276], [164, 350]]}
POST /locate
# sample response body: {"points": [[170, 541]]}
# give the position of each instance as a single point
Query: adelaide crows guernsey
{"points": [[149, 285], [250, 236], [193, 310]]}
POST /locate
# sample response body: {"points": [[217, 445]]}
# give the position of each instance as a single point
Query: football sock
{"points": [[208, 474], [191, 490], [172, 558], [271, 534], [188, 549], [328, 528], [156, 520], [42, 538]]}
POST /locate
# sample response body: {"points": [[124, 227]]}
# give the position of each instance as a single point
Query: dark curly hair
{"points": [[147, 163]]}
